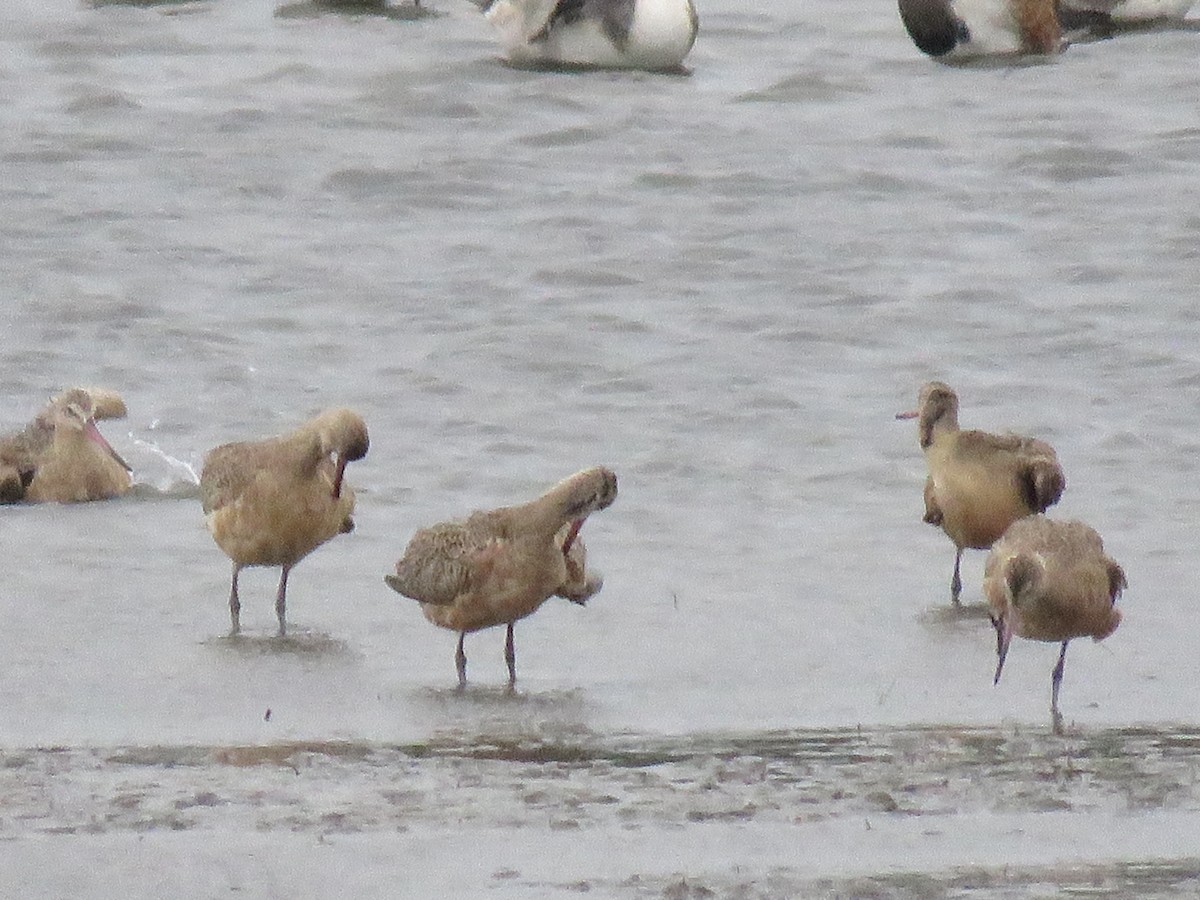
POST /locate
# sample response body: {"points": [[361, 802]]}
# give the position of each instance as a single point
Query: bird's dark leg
{"points": [[956, 581], [235, 605], [281, 601], [1003, 638], [460, 661], [1056, 680], [510, 657]]}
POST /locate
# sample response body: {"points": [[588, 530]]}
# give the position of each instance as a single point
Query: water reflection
{"points": [[298, 643]]}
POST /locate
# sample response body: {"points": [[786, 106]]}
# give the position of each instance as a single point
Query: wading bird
{"points": [[979, 483], [500, 565], [1051, 581], [61, 456], [274, 501]]}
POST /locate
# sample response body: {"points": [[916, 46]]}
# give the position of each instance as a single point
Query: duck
{"points": [[1048, 580], [965, 29], [961, 30], [979, 483], [653, 35], [1131, 12], [272, 502], [498, 566], [61, 455]]}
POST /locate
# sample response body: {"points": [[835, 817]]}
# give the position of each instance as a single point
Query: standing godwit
{"points": [[979, 483], [61, 456], [274, 501], [500, 565], [1051, 581]]}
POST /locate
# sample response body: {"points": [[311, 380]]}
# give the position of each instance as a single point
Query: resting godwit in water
{"points": [[625, 34], [1051, 581], [274, 501], [500, 565], [979, 483], [61, 456]]}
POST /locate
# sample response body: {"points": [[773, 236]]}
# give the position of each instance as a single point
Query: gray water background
{"points": [[723, 285]]}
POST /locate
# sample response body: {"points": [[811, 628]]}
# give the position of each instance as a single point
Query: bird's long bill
{"points": [[571, 535], [94, 435], [908, 414], [338, 476], [1003, 638]]}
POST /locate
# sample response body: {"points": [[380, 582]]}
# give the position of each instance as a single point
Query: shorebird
{"points": [[654, 35], [274, 501], [61, 456], [1051, 581], [979, 483], [498, 566]]}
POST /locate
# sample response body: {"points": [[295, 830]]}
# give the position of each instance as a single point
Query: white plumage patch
{"points": [[660, 36]]}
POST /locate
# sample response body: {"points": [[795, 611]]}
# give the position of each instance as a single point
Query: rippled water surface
{"points": [[723, 285]]}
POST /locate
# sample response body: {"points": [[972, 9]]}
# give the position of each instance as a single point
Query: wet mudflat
{"points": [[918, 812]]}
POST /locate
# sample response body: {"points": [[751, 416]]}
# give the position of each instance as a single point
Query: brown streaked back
{"points": [[1053, 581]]}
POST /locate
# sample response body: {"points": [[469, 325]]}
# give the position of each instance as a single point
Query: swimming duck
{"points": [[1051, 581], [498, 566], [654, 35], [963, 29], [979, 483], [272, 502]]}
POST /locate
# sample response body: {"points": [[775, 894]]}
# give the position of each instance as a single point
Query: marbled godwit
{"points": [[979, 483], [61, 456], [623, 34], [274, 501], [1051, 581], [500, 565]]}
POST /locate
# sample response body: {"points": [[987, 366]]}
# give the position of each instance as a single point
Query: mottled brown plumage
{"points": [[60, 456], [498, 566], [979, 483], [1051, 581], [274, 501]]}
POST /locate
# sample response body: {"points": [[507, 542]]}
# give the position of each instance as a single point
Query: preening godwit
{"points": [[1051, 581], [979, 483], [625, 34], [500, 565], [61, 456], [274, 501]]}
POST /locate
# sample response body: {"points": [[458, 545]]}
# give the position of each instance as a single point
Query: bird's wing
{"points": [[436, 566], [228, 471]]}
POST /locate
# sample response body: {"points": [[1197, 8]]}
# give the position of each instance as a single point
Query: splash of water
{"points": [[187, 470]]}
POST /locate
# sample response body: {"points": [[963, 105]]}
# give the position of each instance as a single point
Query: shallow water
{"points": [[723, 285]]}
